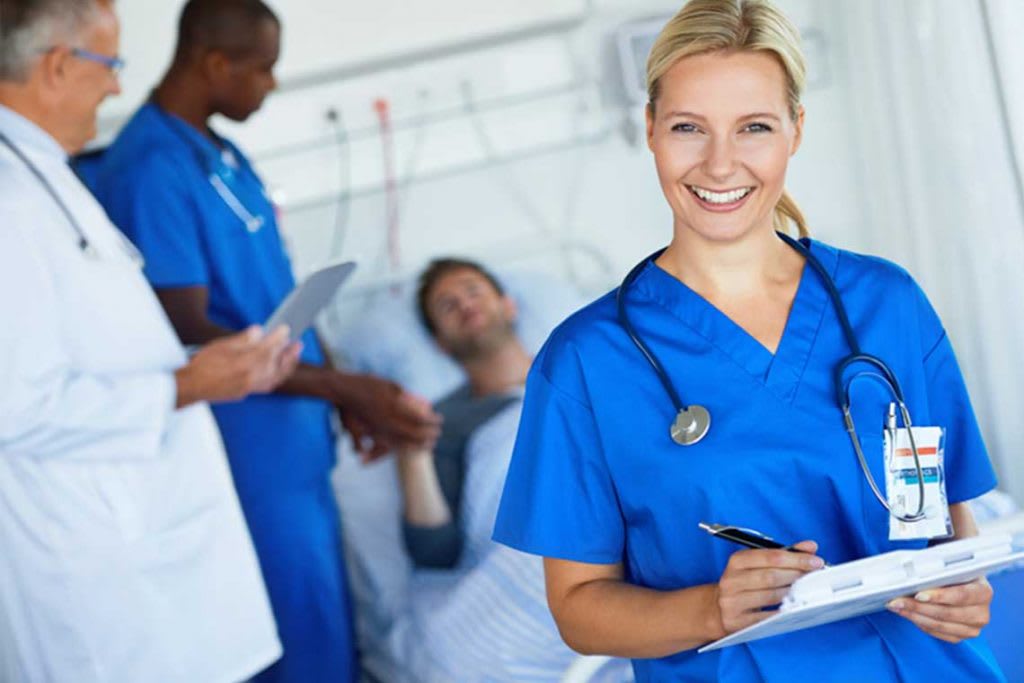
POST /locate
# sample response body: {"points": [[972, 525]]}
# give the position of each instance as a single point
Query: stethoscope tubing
{"points": [[84, 245], [659, 369], [253, 222], [83, 241]]}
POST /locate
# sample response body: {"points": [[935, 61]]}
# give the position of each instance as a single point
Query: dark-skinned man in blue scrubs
{"points": [[195, 207]]}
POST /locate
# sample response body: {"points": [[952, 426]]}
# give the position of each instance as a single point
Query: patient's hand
{"points": [[381, 416], [952, 614]]}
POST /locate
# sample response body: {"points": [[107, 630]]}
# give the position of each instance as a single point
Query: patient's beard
{"points": [[488, 341]]}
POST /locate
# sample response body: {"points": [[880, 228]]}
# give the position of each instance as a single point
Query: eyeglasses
{"points": [[115, 64]]}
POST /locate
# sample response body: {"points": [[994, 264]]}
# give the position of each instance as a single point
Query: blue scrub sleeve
{"points": [[969, 471], [559, 499], [155, 208]]}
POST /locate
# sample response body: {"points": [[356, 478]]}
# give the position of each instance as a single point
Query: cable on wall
{"points": [[383, 110], [343, 207]]}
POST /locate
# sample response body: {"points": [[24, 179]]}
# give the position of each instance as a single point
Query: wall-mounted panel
{"points": [[326, 37]]}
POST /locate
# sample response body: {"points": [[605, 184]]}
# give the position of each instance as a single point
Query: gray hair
{"points": [[30, 27]]}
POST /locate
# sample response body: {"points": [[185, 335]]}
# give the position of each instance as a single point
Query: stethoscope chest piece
{"points": [[690, 425]]}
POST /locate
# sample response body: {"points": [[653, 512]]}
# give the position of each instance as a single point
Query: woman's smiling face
{"points": [[722, 134]]}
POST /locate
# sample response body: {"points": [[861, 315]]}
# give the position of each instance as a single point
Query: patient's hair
{"points": [[227, 26], [30, 27], [437, 269], [704, 26]]}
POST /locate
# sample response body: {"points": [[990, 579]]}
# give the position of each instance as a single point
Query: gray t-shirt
{"points": [[440, 547]]}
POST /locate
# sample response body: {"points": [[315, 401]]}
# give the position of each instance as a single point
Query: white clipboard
{"points": [[300, 308], [864, 586]]}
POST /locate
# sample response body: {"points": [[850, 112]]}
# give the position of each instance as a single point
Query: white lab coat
{"points": [[124, 556]]}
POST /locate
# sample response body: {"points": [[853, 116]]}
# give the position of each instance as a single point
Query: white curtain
{"points": [[1005, 20], [932, 123]]}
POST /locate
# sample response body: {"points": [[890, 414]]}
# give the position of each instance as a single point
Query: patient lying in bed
{"points": [[472, 320], [471, 610]]}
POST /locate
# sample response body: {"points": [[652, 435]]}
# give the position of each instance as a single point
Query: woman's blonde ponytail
{"points": [[786, 212]]}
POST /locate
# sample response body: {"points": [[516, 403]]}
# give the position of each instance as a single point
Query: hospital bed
{"points": [[388, 340]]}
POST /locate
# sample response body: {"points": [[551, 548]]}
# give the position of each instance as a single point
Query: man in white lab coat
{"points": [[124, 555]]}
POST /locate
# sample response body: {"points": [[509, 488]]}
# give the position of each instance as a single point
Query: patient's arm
{"points": [[425, 505], [432, 537]]}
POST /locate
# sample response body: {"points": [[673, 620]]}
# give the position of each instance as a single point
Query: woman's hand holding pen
{"points": [[755, 579], [952, 614]]}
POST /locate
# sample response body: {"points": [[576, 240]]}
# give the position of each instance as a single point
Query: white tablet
{"points": [[300, 308]]}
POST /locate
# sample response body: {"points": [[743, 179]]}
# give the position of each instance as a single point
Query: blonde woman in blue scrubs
{"points": [[599, 488]]}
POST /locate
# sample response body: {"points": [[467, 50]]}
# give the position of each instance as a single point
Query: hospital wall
{"points": [[506, 133]]}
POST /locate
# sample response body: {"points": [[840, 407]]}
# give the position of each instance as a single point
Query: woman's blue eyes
{"points": [[750, 128]]}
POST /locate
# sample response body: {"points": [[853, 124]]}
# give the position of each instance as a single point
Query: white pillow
{"points": [[388, 339]]}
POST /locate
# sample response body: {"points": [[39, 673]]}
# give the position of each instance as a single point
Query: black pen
{"points": [[746, 537]]}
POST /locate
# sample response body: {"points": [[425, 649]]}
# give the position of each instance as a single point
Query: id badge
{"points": [[901, 483]]}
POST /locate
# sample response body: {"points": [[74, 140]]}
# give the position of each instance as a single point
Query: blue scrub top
{"points": [[596, 478], [155, 184]]}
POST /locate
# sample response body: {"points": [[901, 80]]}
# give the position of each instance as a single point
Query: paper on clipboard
{"points": [[300, 308], [864, 586]]}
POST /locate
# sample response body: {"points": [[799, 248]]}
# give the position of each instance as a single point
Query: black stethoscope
{"points": [[83, 242], [84, 245], [253, 222], [692, 422]]}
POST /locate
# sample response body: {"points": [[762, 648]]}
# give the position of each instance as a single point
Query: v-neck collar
{"points": [[780, 372]]}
